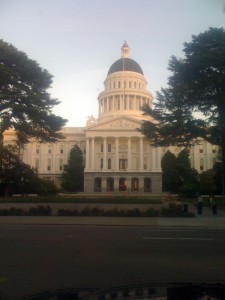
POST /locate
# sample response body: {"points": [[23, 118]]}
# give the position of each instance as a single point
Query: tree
{"points": [[25, 104], [170, 176], [73, 175], [207, 182], [193, 104], [177, 174], [16, 176]]}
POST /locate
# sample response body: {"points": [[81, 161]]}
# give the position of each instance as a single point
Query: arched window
{"points": [[98, 184], [109, 185], [147, 185], [135, 185], [122, 184]]}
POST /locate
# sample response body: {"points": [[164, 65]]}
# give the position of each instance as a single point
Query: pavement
{"points": [[206, 220]]}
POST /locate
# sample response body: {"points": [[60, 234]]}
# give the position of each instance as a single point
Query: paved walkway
{"points": [[206, 220]]}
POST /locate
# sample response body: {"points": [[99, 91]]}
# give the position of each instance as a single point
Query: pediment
{"points": [[120, 123]]}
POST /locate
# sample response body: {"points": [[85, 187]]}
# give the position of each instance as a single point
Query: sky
{"points": [[78, 40]]}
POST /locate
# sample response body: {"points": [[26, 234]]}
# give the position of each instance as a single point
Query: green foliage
{"points": [[16, 176], [47, 187], [197, 84], [25, 104], [170, 174], [207, 184], [73, 175], [177, 174]]}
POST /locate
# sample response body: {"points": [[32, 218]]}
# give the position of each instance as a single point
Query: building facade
{"points": [[117, 157]]}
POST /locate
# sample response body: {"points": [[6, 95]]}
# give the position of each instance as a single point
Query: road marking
{"points": [[170, 230], [175, 238], [157, 238]]}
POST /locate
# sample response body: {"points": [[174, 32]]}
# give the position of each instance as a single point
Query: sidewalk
{"points": [[200, 221]]}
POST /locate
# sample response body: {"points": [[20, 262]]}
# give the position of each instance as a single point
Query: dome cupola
{"points": [[125, 89], [125, 63]]}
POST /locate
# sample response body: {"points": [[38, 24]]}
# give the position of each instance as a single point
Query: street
{"points": [[39, 257]]}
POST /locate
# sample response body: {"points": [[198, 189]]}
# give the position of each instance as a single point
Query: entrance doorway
{"points": [[122, 184]]}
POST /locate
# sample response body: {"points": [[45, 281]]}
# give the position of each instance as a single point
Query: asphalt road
{"points": [[40, 257]]}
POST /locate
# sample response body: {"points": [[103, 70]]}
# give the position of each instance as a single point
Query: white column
{"points": [[113, 99], [153, 158], [107, 101], [99, 107], [104, 154], [158, 158], [117, 154], [87, 154], [141, 153], [92, 153], [129, 153]]}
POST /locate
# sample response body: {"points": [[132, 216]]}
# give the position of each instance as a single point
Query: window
{"points": [[109, 148], [130, 84], [122, 164], [49, 164], [101, 147], [60, 164], [49, 149], [98, 185], [37, 149], [147, 185], [37, 164], [61, 149], [200, 149], [135, 185], [201, 164], [119, 84], [101, 163]]}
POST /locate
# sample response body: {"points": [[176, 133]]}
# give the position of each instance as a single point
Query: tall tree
{"points": [[170, 176], [197, 85], [25, 104], [73, 175]]}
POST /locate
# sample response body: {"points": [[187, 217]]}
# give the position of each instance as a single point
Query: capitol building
{"points": [[117, 157]]}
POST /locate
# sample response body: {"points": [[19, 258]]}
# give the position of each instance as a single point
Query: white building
{"points": [[118, 158]]}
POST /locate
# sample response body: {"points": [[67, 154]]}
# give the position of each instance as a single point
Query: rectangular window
{"points": [[201, 165], [119, 84], [101, 167], [61, 149], [60, 164], [37, 149], [101, 147], [122, 164], [109, 148], [37, 164], [49, 149], [49, 164]]}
